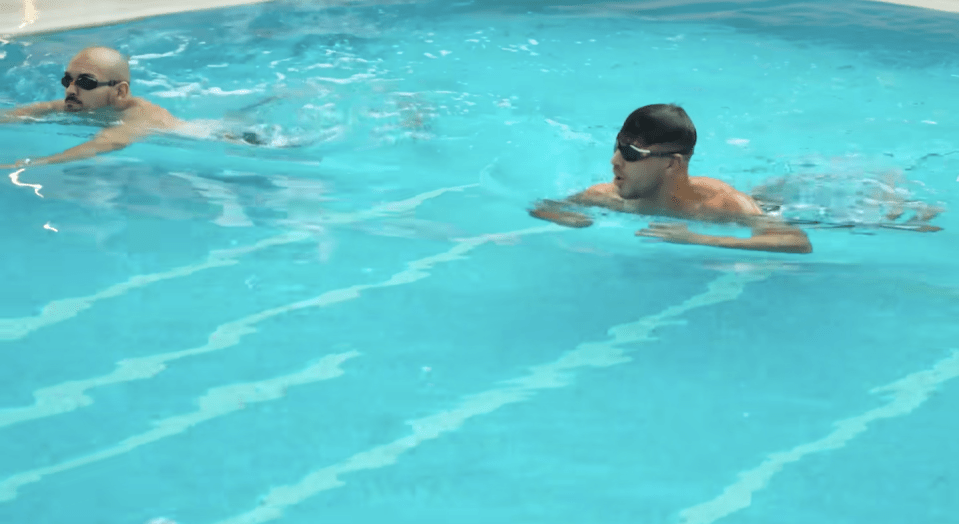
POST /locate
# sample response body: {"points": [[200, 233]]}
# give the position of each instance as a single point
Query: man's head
{"points": [[654, 143], [89, 76]]}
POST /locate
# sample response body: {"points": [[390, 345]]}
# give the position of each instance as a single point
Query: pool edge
{"points": [[32, 17]]}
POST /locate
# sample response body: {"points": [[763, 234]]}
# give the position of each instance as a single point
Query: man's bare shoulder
{"points": [[599, 194], [606, 188], [603, 195], [723, 198], [146, 114]]}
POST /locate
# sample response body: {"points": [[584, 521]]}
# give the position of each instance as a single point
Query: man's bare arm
{"points": [[557, 210], [768, 233], [779, 238], [108, 140], [553, 211], [32, 111]]}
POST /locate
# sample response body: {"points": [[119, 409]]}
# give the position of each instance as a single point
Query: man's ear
{"points": [[675, 161], [123, 89]]}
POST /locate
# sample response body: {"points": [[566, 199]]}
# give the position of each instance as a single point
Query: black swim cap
{"points": [[661, 124]]}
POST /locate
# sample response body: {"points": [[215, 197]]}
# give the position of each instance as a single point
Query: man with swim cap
{"points": [[651, 177], [97, 83]]}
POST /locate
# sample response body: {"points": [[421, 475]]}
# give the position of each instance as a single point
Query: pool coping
{"points": [[30, 17], [951, 6], [27, 17]]}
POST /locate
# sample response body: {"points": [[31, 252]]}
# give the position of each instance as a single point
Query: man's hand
{"points": [[673, 233], [16, 165]]}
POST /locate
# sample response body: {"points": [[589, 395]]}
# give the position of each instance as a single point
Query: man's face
{"points": [[638, 179], [78, 99]]}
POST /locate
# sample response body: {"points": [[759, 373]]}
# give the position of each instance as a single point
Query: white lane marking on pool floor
{"points": [[217, 402], [908, 393], [551, 375], [67, 308], [71, 395]]}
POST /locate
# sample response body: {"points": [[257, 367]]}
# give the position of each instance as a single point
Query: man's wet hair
{"points": [[661, 124]]}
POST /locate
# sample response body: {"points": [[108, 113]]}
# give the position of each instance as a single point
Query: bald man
{"points": [[97, 83]]}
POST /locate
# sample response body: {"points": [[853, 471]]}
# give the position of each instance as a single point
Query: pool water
{"points": [[357, 321]]}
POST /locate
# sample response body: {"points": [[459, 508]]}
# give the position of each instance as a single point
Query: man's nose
{"points": [[72, 89], [617, 158]]}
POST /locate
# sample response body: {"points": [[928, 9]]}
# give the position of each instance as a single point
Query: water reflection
{"points": [[106, 197], [106, 194]]}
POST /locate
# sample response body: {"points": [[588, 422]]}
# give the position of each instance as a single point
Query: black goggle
{"points": [[632, 153], [86, 82]]}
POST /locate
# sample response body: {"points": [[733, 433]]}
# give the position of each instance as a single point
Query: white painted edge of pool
{"points": [[23, 17], [951, 6]]}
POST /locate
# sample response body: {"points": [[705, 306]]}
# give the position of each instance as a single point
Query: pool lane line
{"points": [[217, 402], [555, 374], [907, 394], [71, 395], [67, 308]]}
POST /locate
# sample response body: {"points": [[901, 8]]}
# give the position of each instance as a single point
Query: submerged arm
{"points": [[105, 141], [33, 110], [552, 210], [768, 233], [779, 238]]}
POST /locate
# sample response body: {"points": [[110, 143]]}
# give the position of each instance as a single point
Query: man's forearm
{"points": [[792, 242], [563, 218], [85, 150], [33, 110], [552, 210], [10, 116]]}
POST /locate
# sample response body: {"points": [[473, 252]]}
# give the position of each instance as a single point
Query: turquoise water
{"points": [[358, 322]]}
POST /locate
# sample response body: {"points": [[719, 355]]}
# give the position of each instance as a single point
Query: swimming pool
{"points": [[359, 322]]}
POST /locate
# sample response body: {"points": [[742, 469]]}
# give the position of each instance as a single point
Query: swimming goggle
{"points": [[86, 82], [632, 153]]}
